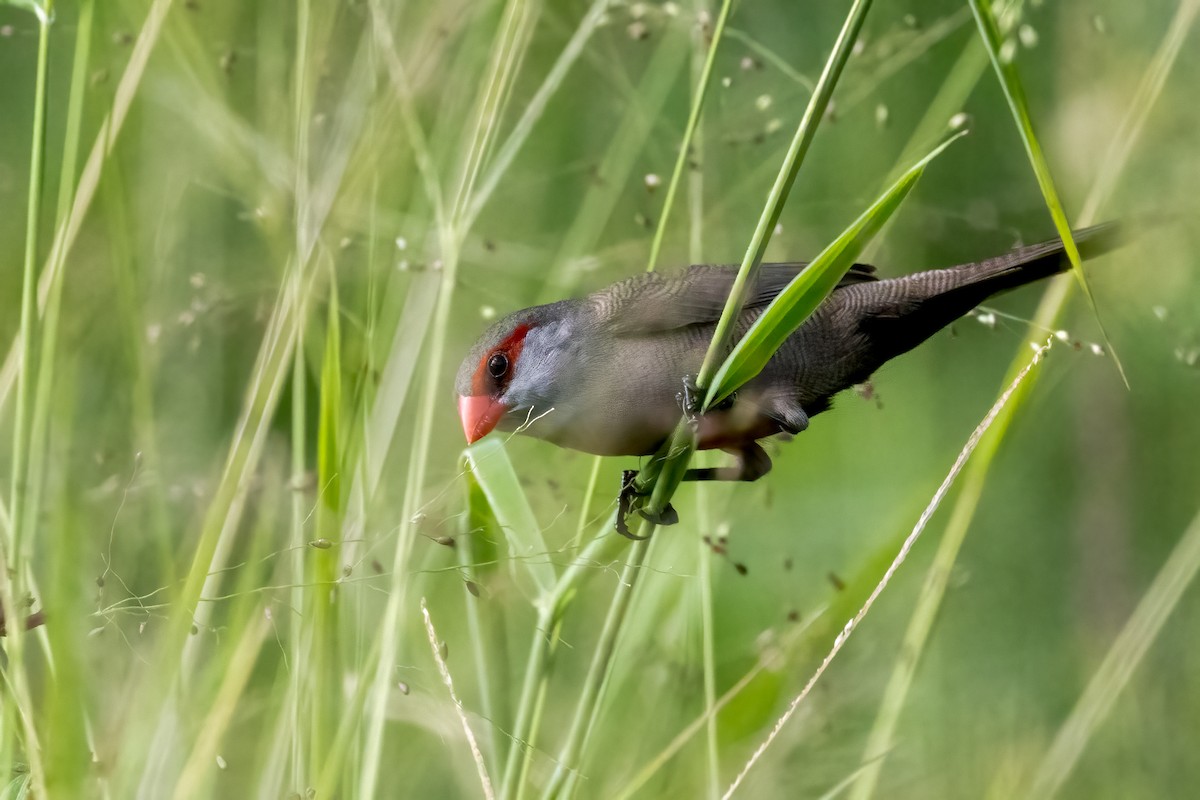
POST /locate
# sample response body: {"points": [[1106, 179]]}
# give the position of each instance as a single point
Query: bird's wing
{"points": [[652, 302]]}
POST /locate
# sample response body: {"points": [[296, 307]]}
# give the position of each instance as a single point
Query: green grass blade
{"points": [[808, 290], [494, 470], [511, 42], [666, 470], [323, 563], [225, 706], [1010, 82], [807, 130], [104, 142], [689, 133], [616, 166], [508, 46], [478, 551], [535, 108], [850, 627], [16, 550], [963, 513], [1119, 664]]}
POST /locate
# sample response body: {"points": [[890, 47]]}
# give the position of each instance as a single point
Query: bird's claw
{"points": [[668, 516], [630, 500], [689, 397]]}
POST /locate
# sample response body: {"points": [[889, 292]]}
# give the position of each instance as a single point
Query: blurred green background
{"points": [[268, 158]]}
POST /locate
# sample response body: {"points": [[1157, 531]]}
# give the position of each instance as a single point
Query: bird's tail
{"points": [[903, 312]]}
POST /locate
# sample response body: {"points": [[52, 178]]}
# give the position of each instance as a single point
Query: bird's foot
{"points": [[668, 516], [630, 500], [691, 399]]}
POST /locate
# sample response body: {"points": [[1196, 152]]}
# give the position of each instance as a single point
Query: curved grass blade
{"points": [[813, 114], [1119, 664], [660, 479], [978, 471], [1010, 82], [808, 290], [493, 469]]}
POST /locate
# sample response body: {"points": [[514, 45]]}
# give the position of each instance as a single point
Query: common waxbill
{"points": [[604, 373]]}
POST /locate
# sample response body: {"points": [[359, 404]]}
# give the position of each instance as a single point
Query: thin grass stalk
{"points": [[128, 310], [347, 733], [703, 495], [587, 708], [68, 726], [659, 760], [50, 318], [1014, 93], [479, 634], [512, 40], [325, 594], [1149, 89], [347, 746], [922, 43], [689, 132], [813, 114], [275, 773], [303, 636], [590, 692], [393, 613], [224, 705], [495, 515], [615, 168], [537, 665], [507, 47], [585, 511], [14, 555], [69, 741], [769, 56], [89, 180], [385, 411], [666, 471], [535, 108], [1053, 302], [444, 670], [848, 630], [1119, 664], [33, 216], [707, 648]]}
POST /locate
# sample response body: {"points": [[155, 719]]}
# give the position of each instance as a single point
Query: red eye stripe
{"points": [[482, 382]]}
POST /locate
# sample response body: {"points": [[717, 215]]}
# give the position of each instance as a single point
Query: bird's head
{"points": [[511, 374]]}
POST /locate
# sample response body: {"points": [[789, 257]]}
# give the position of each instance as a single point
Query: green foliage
{"points": [[1001, 52], [231, 470], [796, 303], [491, 466]]}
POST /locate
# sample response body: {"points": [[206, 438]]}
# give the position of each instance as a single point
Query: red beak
{"points": [[480, 414]]}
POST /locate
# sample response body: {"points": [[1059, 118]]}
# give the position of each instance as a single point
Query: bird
{"points": [[606, 373]]}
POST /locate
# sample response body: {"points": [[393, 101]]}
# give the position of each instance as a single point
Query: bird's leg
{"points": [[625, 502], [631, 500], [753, 463], [691, 398]]}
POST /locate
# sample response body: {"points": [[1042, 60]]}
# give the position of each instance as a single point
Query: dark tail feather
{"points": [[904, 312], [1024, 265]]}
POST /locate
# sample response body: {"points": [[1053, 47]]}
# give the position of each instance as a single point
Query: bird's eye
{"points": [[498, 365]]}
